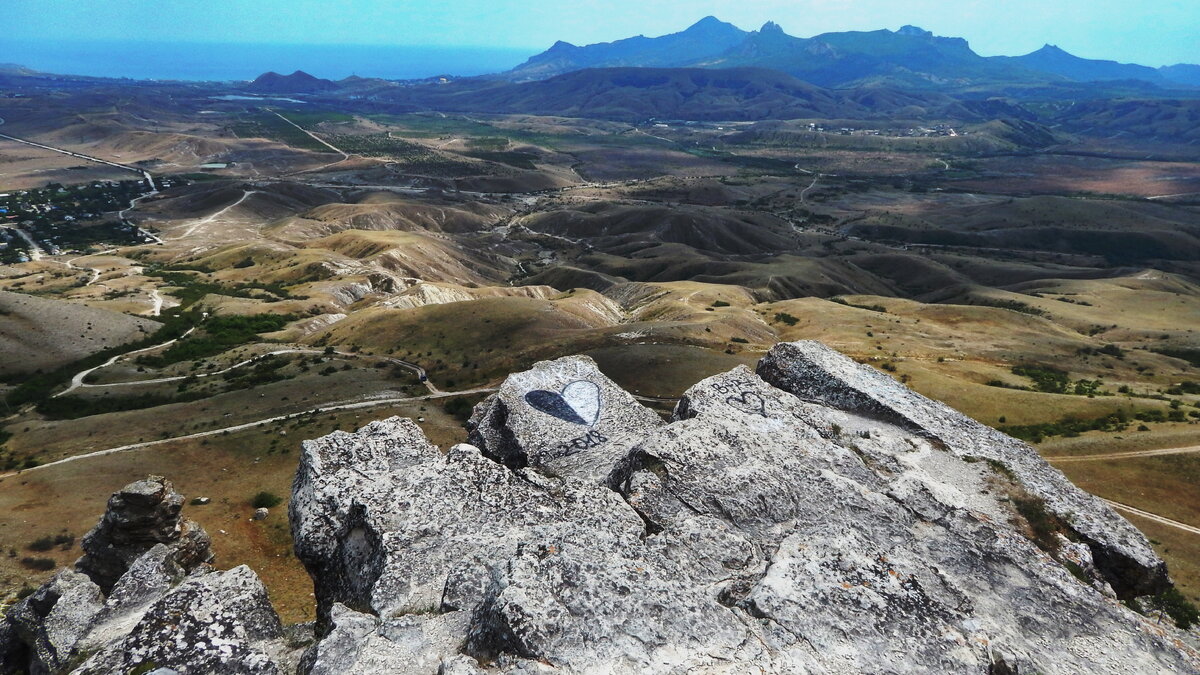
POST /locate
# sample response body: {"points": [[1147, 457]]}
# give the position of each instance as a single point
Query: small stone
{"points": [[261, 513]]}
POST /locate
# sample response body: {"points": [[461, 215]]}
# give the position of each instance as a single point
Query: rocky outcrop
{"points": [[140, 516], [816, 373], [143, 598], [813, 517], [816, 518], [562, 418]]}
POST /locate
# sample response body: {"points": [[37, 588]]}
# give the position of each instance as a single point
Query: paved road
{"points": [[1125, 455]]}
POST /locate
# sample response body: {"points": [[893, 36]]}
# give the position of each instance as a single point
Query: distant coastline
{"points": [[236, 62]]}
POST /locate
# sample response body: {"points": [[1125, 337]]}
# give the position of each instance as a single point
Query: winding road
{"points": [[77, 379]]}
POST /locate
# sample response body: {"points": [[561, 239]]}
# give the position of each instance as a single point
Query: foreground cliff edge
{"points": [[813, 516]]}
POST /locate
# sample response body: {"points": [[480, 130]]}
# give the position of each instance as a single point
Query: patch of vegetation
{"points": [[784, 317], [264, 124], [39, 564], [75, 407], [1192, 356], [1175, 605], [1043, 524], [870, 308], [190, 288], [220, 334], [265, 371], [1068, 426], [265, 500], [1014, 305], [1045, 378]]}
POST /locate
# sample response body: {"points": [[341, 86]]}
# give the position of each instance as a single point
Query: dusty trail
{"points": [[77, 380], [1151, 516], [211, 217], [1125, 455], [358, 405]]}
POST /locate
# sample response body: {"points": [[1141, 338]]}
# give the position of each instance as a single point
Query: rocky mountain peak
{"points": [[771, 28], [914, 31], [809, 515]]}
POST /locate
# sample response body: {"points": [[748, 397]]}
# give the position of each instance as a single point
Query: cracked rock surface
{"points": [[812, 516]]}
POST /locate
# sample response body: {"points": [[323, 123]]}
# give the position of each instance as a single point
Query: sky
{"points": [[1149, 32]]}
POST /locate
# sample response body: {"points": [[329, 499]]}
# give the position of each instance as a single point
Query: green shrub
{"points": [[265, 500], [1177, 606], [1043, 524], [784, 317], [41, 544], [39, 564]]}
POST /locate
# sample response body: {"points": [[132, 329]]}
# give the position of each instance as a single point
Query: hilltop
{"points": [[298, 82], [812, 515]]}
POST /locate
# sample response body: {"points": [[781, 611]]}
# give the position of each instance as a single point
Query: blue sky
{"points": [[1151, 32]]}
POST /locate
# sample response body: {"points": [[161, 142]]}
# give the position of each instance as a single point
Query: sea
{"points": [[235, 61]]}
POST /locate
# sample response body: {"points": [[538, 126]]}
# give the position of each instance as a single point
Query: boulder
{"points": [[759, 531], [54, 618], [214, 622], [813, 517], [563, 417], [816, 373], [165, 609], [141, 515]]}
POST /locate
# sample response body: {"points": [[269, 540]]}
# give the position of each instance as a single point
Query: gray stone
{"points": [[819, 374], [563, 417], [387, 524], [141, 515], [214, 622], [847, 527], [50, 622], [261, 513]]}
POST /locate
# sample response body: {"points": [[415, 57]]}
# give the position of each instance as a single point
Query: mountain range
{"points": [[909, 57]]}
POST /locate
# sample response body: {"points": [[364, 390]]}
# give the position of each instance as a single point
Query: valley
{"points": [[317, 263]]}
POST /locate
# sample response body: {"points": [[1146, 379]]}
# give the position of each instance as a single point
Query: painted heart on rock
{"points": [[579, 402]]}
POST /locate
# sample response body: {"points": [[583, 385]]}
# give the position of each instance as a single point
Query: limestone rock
{"points": [[387, 524], [819, 374], [155, 612], [563, 417], [51, 621], [813, 517], [211, 623], [758, 531], [141, 515]]}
